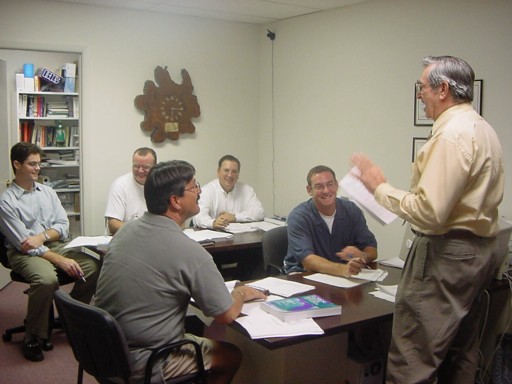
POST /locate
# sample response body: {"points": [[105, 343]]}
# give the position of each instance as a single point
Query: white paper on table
{"points": [[335, 281], [264, 225], [393, 262], [281, 287], [358, 192], [371, 274], [388, 289], [386, 292], [266, 325], [99, 242], [207, 234], [241, 227]]}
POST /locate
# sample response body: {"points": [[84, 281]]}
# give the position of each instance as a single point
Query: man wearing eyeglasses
{"points": [[126, 198], [36, 228], [153, 269], [225, 200], [452, 204], [328, 234]]}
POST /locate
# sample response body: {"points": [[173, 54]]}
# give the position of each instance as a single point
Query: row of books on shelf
{"points": [[49, 136], [67, 183], [38, 106], [70, 202], [62, 157]]}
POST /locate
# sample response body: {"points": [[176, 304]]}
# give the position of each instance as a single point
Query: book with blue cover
{"points": [[301, 307]]}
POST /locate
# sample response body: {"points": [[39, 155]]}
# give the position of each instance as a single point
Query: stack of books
{"points": [[301, 307], [57, 109]]}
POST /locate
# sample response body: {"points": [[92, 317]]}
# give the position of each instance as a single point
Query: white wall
{"points": [[120, 50], [343, 82]]}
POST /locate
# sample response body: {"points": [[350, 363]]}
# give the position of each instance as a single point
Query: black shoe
{"points": [[32, 350], [46, 345]]}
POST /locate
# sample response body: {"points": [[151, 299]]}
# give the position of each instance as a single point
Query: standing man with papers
{"points": [[328, 234], [225, 200], [151, 272], [452, 205]]}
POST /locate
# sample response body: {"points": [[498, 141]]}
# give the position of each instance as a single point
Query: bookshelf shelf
{"points": [[50, 93], [63, 190], [51, 120]]}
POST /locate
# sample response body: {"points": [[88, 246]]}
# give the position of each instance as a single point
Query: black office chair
{"points": [[54, 322], [100, 347], [275, 245]]}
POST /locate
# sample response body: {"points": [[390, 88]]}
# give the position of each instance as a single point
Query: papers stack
{"points": [[371, 274], [343, 282], [260, 324], [393, 262], [263, 326], [267, 225], [386, 292], [207, 235], [281, 287], [335, 281], [241, 227], [99, 242]]}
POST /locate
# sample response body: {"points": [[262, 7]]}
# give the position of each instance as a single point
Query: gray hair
{"points": [[456, 72]]}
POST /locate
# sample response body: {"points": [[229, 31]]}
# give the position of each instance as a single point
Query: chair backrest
{"points": [[3, 252], [96, 339], [275, 245]]}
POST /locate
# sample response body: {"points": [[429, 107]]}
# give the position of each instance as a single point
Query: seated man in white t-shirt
{"points": [[126, 198]]}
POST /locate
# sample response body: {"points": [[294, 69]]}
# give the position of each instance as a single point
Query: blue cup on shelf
{"points": [[28, 70]]}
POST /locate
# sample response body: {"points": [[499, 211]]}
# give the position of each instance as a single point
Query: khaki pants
{"points": [[42, 276], [183, 361], [437, 320]]}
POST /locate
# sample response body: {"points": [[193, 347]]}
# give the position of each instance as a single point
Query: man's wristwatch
{"points": [[46, 236]]}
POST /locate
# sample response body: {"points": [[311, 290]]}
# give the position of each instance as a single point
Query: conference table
{"points": [[315, 358]]}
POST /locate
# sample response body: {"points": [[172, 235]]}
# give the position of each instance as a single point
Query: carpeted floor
{"points": [[58, 366]]}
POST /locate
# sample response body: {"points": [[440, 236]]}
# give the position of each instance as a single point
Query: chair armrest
{"points": [[274, 270], [163, 351]]}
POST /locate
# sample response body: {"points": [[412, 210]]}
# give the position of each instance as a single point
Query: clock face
{"points": [[171, 108]]}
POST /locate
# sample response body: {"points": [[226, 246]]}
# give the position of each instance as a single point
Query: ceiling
{"points": [[246, 11]]}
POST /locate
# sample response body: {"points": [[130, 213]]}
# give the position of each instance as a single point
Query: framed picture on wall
{"points": [[420, 119], [477, 96], [417, 143]]}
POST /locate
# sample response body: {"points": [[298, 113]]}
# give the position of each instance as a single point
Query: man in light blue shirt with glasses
{"points": [[36, 227]]}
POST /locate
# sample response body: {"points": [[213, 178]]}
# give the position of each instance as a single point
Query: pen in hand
{"points": [[361, 259], [82, 277], [266, 292]]}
